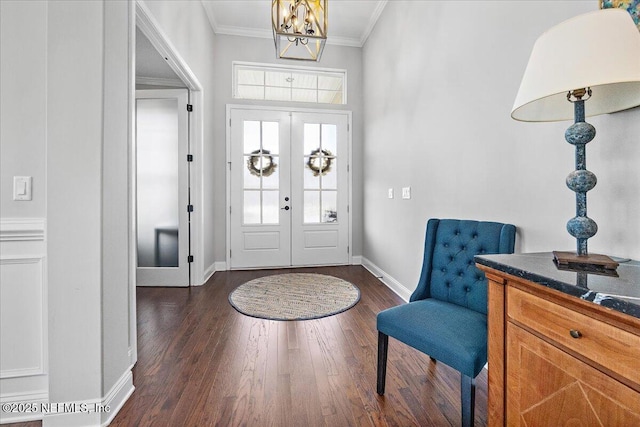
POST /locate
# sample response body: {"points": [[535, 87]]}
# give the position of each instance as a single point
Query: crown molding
{"points": [[267, 34], [373, 21], [343, 41], [244, 32], [210, 17]]}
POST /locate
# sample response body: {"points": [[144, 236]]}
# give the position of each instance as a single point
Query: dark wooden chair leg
{"points": [[468, 397], [383, 346]]}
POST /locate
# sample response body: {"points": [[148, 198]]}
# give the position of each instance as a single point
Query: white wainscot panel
{"points": [[21, 317]]}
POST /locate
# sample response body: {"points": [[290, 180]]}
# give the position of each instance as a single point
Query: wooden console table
{"points": [[564, 347]]}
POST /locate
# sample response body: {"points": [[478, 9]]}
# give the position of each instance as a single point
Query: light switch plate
{"points": [[391, 193], [22, 188], [406, 192]]}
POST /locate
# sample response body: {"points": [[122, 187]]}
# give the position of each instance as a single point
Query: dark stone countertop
{"points": [[620, 293]]}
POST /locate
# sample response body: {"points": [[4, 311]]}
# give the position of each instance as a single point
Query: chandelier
{"points": [[299, 28]]}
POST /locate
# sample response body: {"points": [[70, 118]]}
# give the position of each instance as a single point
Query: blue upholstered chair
{"points": [[446, 317]]}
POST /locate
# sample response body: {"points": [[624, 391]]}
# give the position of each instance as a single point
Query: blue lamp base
{"points": [[580, 181]]}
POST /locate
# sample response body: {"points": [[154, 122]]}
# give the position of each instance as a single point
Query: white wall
{"points": [[23, 262], [235, 48], [74, 136], [186, 26], [22, 105], [437, 119], [118, 317], [66, 66]]}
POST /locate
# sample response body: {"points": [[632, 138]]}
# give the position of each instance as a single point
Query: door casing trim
{"points": [[348, 113], [150, 27]]}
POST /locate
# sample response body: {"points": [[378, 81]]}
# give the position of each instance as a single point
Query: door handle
{"points": [[286, 208]]}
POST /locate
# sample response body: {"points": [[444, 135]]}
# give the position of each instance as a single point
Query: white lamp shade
{"points": [[600, 50]]}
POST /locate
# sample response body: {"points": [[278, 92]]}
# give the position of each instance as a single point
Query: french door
{"points": [[162, 186], [289, 188]]}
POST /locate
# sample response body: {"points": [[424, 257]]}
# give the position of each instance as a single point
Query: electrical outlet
{"points": [[406, 192], [391, 193]]}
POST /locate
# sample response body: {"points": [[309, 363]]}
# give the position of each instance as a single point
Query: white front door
{"points": [[162, 185], [289, 188], [260, 189], [319, 159]]}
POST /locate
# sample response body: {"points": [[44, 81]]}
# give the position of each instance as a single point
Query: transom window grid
{"points": [[299, 84], [320, 173], [261, 183]]}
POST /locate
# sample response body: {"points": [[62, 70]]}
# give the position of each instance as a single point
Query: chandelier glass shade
{"points": [[299, 28]]}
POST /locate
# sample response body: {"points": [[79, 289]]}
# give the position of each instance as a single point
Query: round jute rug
{"points": [[294, 296]]}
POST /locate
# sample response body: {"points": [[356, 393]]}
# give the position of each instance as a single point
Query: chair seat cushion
{"points": [[454, 335]]}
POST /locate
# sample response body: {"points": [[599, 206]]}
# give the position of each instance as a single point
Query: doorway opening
{"points": [[175, 74], [162, 188]]}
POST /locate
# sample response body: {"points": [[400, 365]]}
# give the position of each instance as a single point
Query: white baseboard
{"points": [[117, 396], [208, 273], [94, 412], [356, 260], [216, 266], [397, 287], [73, 418], [31, 400]]}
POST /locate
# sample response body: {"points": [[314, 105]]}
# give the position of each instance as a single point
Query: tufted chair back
{"points": [[448, 270]]}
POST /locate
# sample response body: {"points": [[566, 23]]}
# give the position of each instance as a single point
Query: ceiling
{"points": [[350, 21], [150, 64]]}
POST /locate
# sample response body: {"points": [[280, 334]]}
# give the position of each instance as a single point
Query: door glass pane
{"points": [[311, 137], [270, 207], [329, 206], [311, 179], [251, 172], [270, 137], [320, 173], [251, 136], [262, 173], [330, 177], [311, 207], [157, 182], [251, 207], [270, 172], [329, 139]]}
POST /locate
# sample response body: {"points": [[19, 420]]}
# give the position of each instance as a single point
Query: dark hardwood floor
{"points": [[201, 363]]}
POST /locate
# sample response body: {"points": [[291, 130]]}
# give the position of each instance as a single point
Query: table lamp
{"points": [[593, 57]]}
